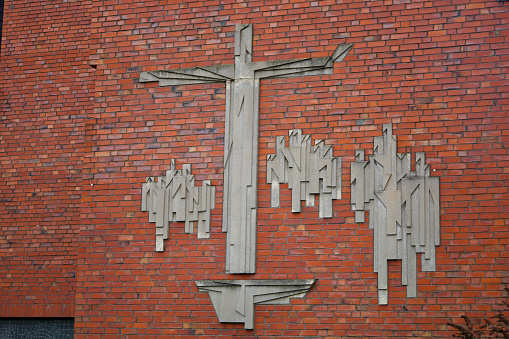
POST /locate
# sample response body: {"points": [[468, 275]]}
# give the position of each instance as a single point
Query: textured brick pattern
{"points": [[437, 70], [44, 93]]}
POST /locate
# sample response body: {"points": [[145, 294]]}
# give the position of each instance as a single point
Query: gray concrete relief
{"points": [[242, 81], [308, 170], [234, 300], [174, 198], [404, 209]]}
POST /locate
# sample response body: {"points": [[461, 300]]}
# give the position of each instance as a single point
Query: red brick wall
{"points": [[436, 70], [45, 93]]}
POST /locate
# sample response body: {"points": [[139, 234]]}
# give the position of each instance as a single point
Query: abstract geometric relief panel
{"points": [[404, 210], [242, 79], [308, 170], [174, 197], [234, 300]]}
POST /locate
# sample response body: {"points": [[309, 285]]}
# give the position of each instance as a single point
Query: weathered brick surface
{"points": [[437, 70], [44, 96]]}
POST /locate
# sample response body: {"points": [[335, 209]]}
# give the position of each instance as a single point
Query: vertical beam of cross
{"points": [[241, 160], [241, 132]]}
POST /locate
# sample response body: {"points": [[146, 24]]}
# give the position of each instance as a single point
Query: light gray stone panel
{"points": [[241, 139], [302, 67], [404, 209], [175, 198], [358, 180], [308, 170], [234, 300], [243, 46], [189, 76], [241, 161]]}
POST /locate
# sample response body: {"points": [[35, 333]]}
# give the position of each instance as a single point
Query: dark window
{"points": [[36, 328]]}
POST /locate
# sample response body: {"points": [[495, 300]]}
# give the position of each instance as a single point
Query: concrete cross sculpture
{"points": [[241, 132], [234, 300]]}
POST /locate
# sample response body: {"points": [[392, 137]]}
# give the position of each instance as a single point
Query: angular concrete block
{"points": [[308, 170], [234, 300], [404, 209], [174, 197]]}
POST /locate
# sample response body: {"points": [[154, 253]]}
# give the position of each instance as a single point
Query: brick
{"points": [[78, 142]]}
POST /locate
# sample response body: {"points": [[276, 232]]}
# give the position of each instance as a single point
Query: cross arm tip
{"points": [[147, 77], [341, 52]]}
